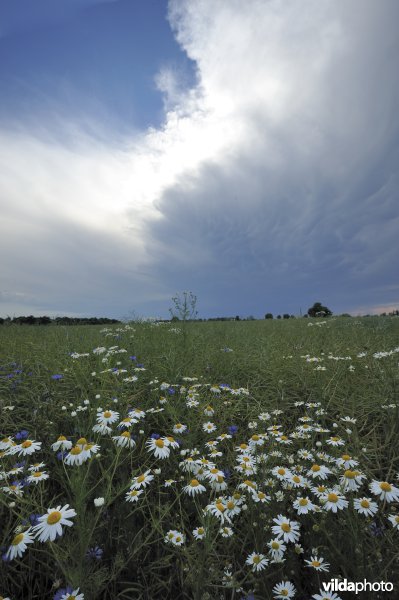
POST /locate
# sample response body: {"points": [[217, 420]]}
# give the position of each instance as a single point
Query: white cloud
{"points": [[274, 167]]}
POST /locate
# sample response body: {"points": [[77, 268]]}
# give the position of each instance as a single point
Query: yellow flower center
{"points": [[281, 471], [303, 502], [26, 444], [296, 479], [316, 563], [201, 530], [397, 519], [125, 434], [236, 495], [255, 438], [61, 438], [230, 504], [335, 439], [213, 471], [256, 559], [284, 592], [286, 527], [170, 439], [107, 414], [159, 443], [332, 498], [220, 507], [220, 479], [76, 450], [385, 486], [194, 483], [350, 474], [284, 438], [243, 446], [365, 504], [261, 495], [140, 478], [82, 441], [54, 517], [275, 545], [37, 474], [249, 483], [18, 538], [179, 425], [345, 457], [315, 468], [321, 489]]}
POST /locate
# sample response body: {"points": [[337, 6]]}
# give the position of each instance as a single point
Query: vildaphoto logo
{"points": [[343, 585]]}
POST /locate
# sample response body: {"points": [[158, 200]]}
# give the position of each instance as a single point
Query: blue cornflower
{"points": [[232, 429], [21, 435], [62, 454], [171, 391], [132, 358], [34, 519], [95, 552], [155, 436], [140, 365], [62, 591], [57, 376]]}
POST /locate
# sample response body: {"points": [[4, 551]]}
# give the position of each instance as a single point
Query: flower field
{"points": [[252, 460]]}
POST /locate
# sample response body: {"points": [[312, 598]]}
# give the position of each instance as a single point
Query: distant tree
{"points": [[318, 310], [286, 316], [184, 306], [237, 318], [268, 316], [251, 318], [278, 316]]}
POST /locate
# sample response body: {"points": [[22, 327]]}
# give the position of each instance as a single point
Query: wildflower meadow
{"points": [[206, 460]]}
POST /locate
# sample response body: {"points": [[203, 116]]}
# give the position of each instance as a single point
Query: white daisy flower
{"points": [[194, 488], [133, 495], [50, 524], [61, 444], [199, 533], [141, 481], [27, 448], [124, 440], [19, 544], [208, 427], [74, 594], [158, 447], [365, 506], [318, 564], [303, 506], [276, 549], [318, 472], [258, 562], [351, 480], [179, 428], [174, 537], [394, 519], [226, 532], [334, 501], [37, 476], [386, 491], [107, 417], [284, 590], [286, 529]]}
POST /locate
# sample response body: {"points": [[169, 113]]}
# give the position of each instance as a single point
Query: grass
{"points": [[254, 375]]}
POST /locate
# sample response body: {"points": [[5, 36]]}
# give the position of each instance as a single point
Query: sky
{"points": [[245, 151]]}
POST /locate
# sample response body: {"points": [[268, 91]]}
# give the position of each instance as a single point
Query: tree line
{"points": [[31, 320]]}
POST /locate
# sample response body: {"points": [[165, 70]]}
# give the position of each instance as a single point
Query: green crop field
{"points": [[203, 460]]}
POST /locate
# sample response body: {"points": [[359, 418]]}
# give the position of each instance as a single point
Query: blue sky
{"points": [[245, 151]]}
